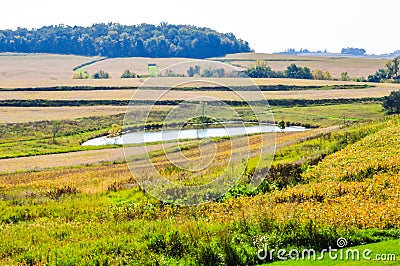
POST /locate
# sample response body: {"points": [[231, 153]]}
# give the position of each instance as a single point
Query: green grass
{"points": [[35, 138], [328, 115], [325, 143], [382, 248]]}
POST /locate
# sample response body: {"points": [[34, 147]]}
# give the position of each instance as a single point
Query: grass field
{"points": [[330, 114]]}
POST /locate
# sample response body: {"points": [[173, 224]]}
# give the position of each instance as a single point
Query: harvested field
{"points": [[185, 95], [33, 114], [355, 66], [29, 67]]}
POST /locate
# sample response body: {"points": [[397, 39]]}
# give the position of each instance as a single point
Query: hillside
{"points": [[116, 40]]}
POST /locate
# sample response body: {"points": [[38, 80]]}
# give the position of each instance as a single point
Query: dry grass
{"points": [[33, 114], [186, 95], [28, 67]]}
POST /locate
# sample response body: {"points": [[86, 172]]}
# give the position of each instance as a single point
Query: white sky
{"points": [[269, 26]]}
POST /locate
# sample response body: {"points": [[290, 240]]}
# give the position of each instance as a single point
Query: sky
{"points": [[269, 26]]}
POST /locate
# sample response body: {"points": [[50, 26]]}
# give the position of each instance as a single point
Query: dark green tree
{"points": [[192, 71], [391, 72], [282, 125], [259, 70], [353, 51], [295, 72], [391, 103], [101, 74], [116, 40], [393, 68]]}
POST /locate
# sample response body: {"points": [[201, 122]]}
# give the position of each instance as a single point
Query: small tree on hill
{"points": [[55, 129], [344, 76]]}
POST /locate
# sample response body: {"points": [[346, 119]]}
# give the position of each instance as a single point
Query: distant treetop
{"points": [[116, 40], [353, 51]]}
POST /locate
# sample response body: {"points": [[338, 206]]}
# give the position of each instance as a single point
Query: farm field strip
{"points": [[355, 66], [135, 82], [185, 95], [33, 114]]}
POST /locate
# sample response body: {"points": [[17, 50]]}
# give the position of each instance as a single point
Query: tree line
{"points": [[116, 40], [261, 70], [391, 72]]}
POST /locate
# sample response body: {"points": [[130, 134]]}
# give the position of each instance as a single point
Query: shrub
{"points": [[101, 74]]}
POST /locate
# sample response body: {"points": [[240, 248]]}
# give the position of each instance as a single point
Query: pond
{"points": [[175, 134]]}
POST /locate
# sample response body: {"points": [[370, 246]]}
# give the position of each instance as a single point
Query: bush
{"points": [[101, 74], [80, 74], [391, 103], [127, 74], [318, 74]]}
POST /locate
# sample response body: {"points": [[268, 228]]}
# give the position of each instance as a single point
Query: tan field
{"points": [[354, 66], [27, 67], [186, 95], [43, 70], [138, 65], [33, 114]]}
